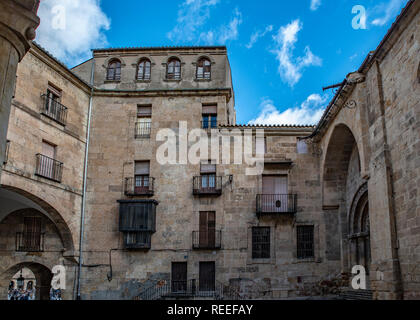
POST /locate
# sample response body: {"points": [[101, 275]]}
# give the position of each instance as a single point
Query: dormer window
{"points": [[114, 70], [144, 70], [204, 69], [173, 71]]}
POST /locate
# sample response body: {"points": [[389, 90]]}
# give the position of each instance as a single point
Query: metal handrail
{"points": [[54, 109], [130, 188], [49, 168], [207, 239], [276, 203], [30, 241]]}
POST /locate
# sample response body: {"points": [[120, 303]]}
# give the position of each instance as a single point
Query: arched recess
{"points": [[336, 164], [42, 274], [61, 225], [359, 229]]}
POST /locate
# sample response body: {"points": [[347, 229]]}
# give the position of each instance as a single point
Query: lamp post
{"points": [[20, 281]]}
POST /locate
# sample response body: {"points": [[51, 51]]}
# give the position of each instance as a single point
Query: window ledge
{"points": [[142, 81], [112, 81], [309, 260], [202, 80], [172, 80], [261, 261]]}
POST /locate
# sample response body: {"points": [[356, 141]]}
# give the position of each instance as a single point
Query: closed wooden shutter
{"points": [[207, 276], [179, 277], [142, 167], [48, 150], [210, 109], [208, 168], [144, 111], [207, 229]]}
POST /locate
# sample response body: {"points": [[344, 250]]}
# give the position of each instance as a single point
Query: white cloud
{"points": [[193, 16], [291, 68], [69, 29], [315, 4], [308, 113], [257, 35], [386, 11]]}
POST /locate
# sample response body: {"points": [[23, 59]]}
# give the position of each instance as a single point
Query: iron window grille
{"points": [[261, 243], [305, 242]]}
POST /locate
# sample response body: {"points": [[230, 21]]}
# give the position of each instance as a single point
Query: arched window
{"points": [[204, 69], [143, 70], [173, 69], [114, 70]]}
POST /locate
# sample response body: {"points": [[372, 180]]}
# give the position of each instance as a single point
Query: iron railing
{"points": [[138, 240], [143, 130], [207, 185], [165, 289], [54, 109], [145, 187], [276, 203], [49, 168], [29, 242], [207, 240], [6, 154]]}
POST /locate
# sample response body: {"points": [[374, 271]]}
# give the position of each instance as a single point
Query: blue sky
{"points": [[281, 52]]}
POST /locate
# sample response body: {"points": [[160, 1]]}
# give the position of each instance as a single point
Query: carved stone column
{"points": [[18, 21]]}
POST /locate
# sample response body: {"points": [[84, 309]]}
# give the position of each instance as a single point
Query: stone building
{"points": [[156, 221]]}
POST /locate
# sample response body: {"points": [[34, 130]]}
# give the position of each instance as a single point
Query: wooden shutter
{"points": [[48, 150], [210, 109], [179, 276], [144, 111], [207, 229], [207, 276], [142, 167]]}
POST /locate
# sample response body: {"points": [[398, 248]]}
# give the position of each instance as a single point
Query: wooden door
{"points": [[207, 276], [179, 277], [32, 233], [275, 194]]}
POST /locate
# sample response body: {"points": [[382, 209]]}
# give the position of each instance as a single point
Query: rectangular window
{"points": [[47, 166], [207, 233], [209, 116], [144, 122], [208, 175], [261, 243], [305, 242], [32, 233], [6, 154], [207, 276], [141, 176], [52, 107], [179, 277]]}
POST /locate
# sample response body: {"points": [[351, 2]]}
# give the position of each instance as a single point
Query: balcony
{"points": [[143, 130], [48, 168], [268, 204], [139, 187], [207, 185], [54, 110], [29, 242], [207, 240]]}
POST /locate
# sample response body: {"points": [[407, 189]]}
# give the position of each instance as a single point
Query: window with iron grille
{"points": [[305, 242], [6, 154], [261, 243], [114, 70], [173, 70], [204, 69], [143, 70]]}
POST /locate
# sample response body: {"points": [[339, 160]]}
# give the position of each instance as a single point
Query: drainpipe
{"points": [[82, 217]]}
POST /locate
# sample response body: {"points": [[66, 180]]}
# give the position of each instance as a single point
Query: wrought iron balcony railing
{"points": [[54, 110], [207, 240], [29, 242], [143, 130], [207, 185], [139, 187], [189, 289], [49, 168], [276, 203]]}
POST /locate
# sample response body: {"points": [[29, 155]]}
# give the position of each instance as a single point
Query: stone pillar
{"points": [[18, 21], [385, 272]]}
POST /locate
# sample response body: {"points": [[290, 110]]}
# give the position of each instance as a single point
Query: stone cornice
{"points": [[227, 92]]}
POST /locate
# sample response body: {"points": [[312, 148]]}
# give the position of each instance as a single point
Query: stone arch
{"points": [[335, 165], [359, 229], [61, 225], [42, 274]]}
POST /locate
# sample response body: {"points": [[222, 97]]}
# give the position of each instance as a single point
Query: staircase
{"points": [[352, 294]]}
